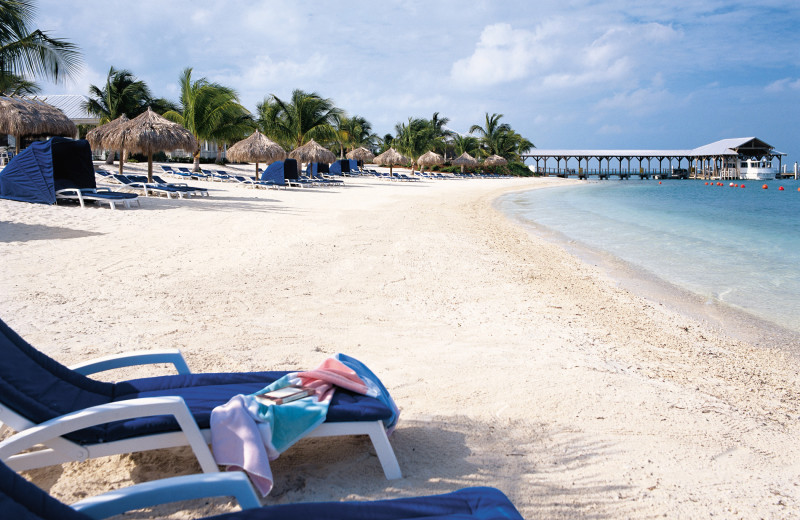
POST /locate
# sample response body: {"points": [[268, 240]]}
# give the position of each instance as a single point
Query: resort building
{"points": [[725, 159]]}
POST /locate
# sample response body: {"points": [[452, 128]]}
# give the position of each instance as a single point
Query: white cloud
{"points": [[783, 85]]}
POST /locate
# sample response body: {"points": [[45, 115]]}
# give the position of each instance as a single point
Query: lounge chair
{"points": [[66, 190], [77, 418], [189, 173], [22, 500], [182, 186], [149, 188]]}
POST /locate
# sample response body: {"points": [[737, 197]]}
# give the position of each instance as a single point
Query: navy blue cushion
{"points": [[39, 388], [21, 500], [203, 392], [482, 503]]}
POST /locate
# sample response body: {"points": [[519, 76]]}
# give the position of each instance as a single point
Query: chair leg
{"points": [[386, 456]]}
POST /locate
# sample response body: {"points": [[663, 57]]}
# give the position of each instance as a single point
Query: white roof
{"points": [[72, 106]]}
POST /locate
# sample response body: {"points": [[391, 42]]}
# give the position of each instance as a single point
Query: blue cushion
{"points": [[21, 500], [482, 503], [203, 392]]}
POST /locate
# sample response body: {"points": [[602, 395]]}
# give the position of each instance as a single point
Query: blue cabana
{"points": [[279, 171], [341, 166], [35, 174]]}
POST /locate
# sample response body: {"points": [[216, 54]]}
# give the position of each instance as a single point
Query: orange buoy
{"points": [[659, 182], [742, 185], [706, 184], [780, 188], [764, 187]]}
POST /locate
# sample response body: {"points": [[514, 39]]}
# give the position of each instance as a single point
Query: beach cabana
{"points": [[312, 152], [280, 172], [23, 117], [52, 169], [391, 157], [495, 160], [361, 154], [340, 167], [257, 148]]}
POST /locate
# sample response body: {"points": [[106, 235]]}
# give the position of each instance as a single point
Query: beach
{"points": [[515, 364]]}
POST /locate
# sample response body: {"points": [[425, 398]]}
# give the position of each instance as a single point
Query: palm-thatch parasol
{"points": [[256, 148], [149, 133], [20, 117], [495, 160], [98, 137], [391, 157], [361, 154], [464, 159], [429, 159]]}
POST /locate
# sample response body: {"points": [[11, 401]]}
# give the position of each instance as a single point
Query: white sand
{"points": [[515, 365]]}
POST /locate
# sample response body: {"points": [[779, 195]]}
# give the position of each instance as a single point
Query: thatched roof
{"points": [[149, 133], [256, 148], [20, 117], [98, 136], [495, 160], [464, 159], [430, 159], [312, 152], [391, 157], [361, 154]]}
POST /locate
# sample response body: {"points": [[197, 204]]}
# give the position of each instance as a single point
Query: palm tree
{"points": [[13, 85], [490, 134], [465, 143], [441, 135], [414, 139], [352, 132], [208, 110], [293, 123], [122, 94], [32, 53]]}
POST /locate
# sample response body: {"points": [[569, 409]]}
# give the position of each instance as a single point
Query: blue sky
{"points": [[565, 74]]}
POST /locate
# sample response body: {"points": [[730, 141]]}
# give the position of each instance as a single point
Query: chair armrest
{"points": [[187, 487], [75, 191], [128, 359]]}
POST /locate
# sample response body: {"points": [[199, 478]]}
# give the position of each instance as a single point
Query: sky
{"points": [[568, 74]]}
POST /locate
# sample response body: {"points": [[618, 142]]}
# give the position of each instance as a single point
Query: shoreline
{"points": [[515, 364], [724, 318]]}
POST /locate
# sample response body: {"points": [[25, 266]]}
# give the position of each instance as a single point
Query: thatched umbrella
{"points": [[361, 154], [464, 159], [495, 160], [98, 137], [312, 152], [429, 159], [391, 157], [20, 117], [256, 148], [149, 133]]}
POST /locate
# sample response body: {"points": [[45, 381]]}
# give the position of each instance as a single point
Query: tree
{"points": [[13, 85], [210, 111], [465, 143], [490, 134], [352, 132], [295, 122], [32, 53], [122, 94], [415, 138], [441, 135]]}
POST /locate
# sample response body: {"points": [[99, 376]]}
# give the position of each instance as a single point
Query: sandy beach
{"points": [[515, 364]]}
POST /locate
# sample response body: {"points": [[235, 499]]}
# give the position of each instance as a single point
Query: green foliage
{"points": [[122, 94], [25, 52], [353, 132], [498, 138], [211, 111], [293, 123]]}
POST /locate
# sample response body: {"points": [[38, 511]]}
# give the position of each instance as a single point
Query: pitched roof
{"points": [[72, 106], [735, 146]]}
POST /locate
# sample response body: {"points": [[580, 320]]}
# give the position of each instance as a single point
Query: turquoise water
{"points": [[737, 246]]}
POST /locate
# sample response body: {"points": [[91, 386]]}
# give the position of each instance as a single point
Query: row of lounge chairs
{"points": [[60, 414]]}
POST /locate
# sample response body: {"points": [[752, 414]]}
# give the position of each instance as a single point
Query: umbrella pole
{"points": [[256, 170], [17, 139], [121, 161], [149, 167]]}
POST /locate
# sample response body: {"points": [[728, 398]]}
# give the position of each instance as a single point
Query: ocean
{"points": [[737, 247]]}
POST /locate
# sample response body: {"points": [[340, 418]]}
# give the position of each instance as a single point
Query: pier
{"points": [[718, 160]]}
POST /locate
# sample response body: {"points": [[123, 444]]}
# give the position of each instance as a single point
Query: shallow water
{"points": [[740, 247]]}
